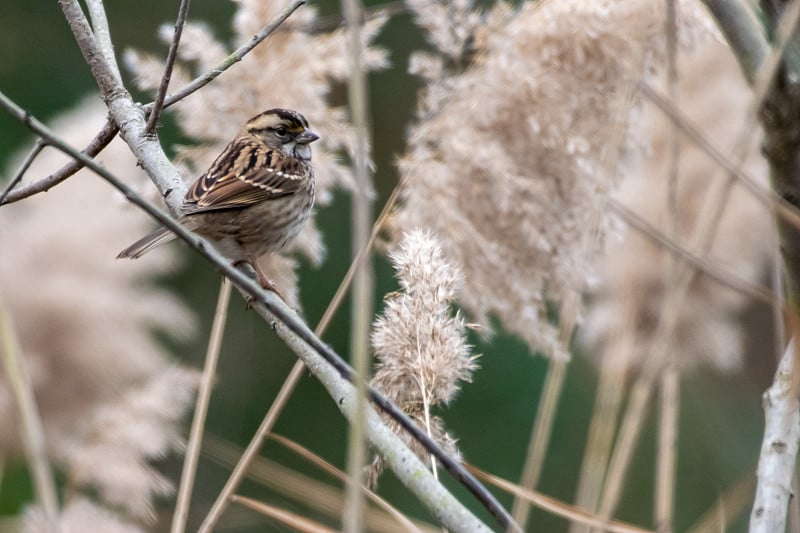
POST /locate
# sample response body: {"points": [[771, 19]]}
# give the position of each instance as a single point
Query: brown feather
{"points": [[257, 174]]}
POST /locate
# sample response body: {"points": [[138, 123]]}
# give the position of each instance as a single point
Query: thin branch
{"points": [[99, 61], [122, 109], [232, 59], [110, 130], [37, 148], [97, 12], [172, 55], [32, 431], [184, 497], [776, 464], [100, 141], [329, 368]]}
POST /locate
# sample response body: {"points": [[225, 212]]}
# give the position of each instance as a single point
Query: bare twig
{"points": [[37, 148], [101, 31], [776, 464], [110, 130], [172, 55], [184, 497], [232, 59], [100, 141], [99, 62], [329, 368], [32, 430]]}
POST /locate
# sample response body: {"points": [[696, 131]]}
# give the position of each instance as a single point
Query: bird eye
{"points": [[280, 131]]}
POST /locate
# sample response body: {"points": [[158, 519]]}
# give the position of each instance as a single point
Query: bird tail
{"points": [[147, 243]]}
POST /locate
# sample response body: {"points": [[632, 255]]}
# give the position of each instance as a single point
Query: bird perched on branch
{"points": [[256, 195]]}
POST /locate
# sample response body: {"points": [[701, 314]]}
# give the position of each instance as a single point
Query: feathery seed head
{"points": [[543, 117]]}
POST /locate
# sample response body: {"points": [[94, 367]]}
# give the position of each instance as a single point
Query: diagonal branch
{"points": [[232, 59], [26, 164], [100, 141], [158, 104], [110, 130]]}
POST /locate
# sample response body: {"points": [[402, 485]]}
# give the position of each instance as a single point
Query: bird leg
{"points": [[263, 280]]}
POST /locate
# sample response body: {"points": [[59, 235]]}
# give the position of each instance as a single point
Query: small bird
{"points": [[256, 195]]}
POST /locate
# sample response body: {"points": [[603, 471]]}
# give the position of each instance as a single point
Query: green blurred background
{"points": [[721, 424]]}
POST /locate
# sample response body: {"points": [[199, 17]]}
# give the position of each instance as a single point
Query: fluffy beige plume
{"points": [[110, 400], [421, 347], [633, 276], [512, 157], [295, 68], [80, 514]]}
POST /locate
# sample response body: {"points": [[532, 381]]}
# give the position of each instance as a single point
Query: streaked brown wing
{"points": [[253, 176]]}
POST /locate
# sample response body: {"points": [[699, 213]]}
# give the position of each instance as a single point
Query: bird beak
{"points": [[306, 137]]}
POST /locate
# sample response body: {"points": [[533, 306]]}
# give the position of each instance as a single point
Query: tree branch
{"points": [[97, 12], [100, 141], [37, 148], [778, 451], [158, 104], [110, 130], [232, 59]]}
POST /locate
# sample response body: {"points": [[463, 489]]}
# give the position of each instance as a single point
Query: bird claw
{"points": [[265, 282]]}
